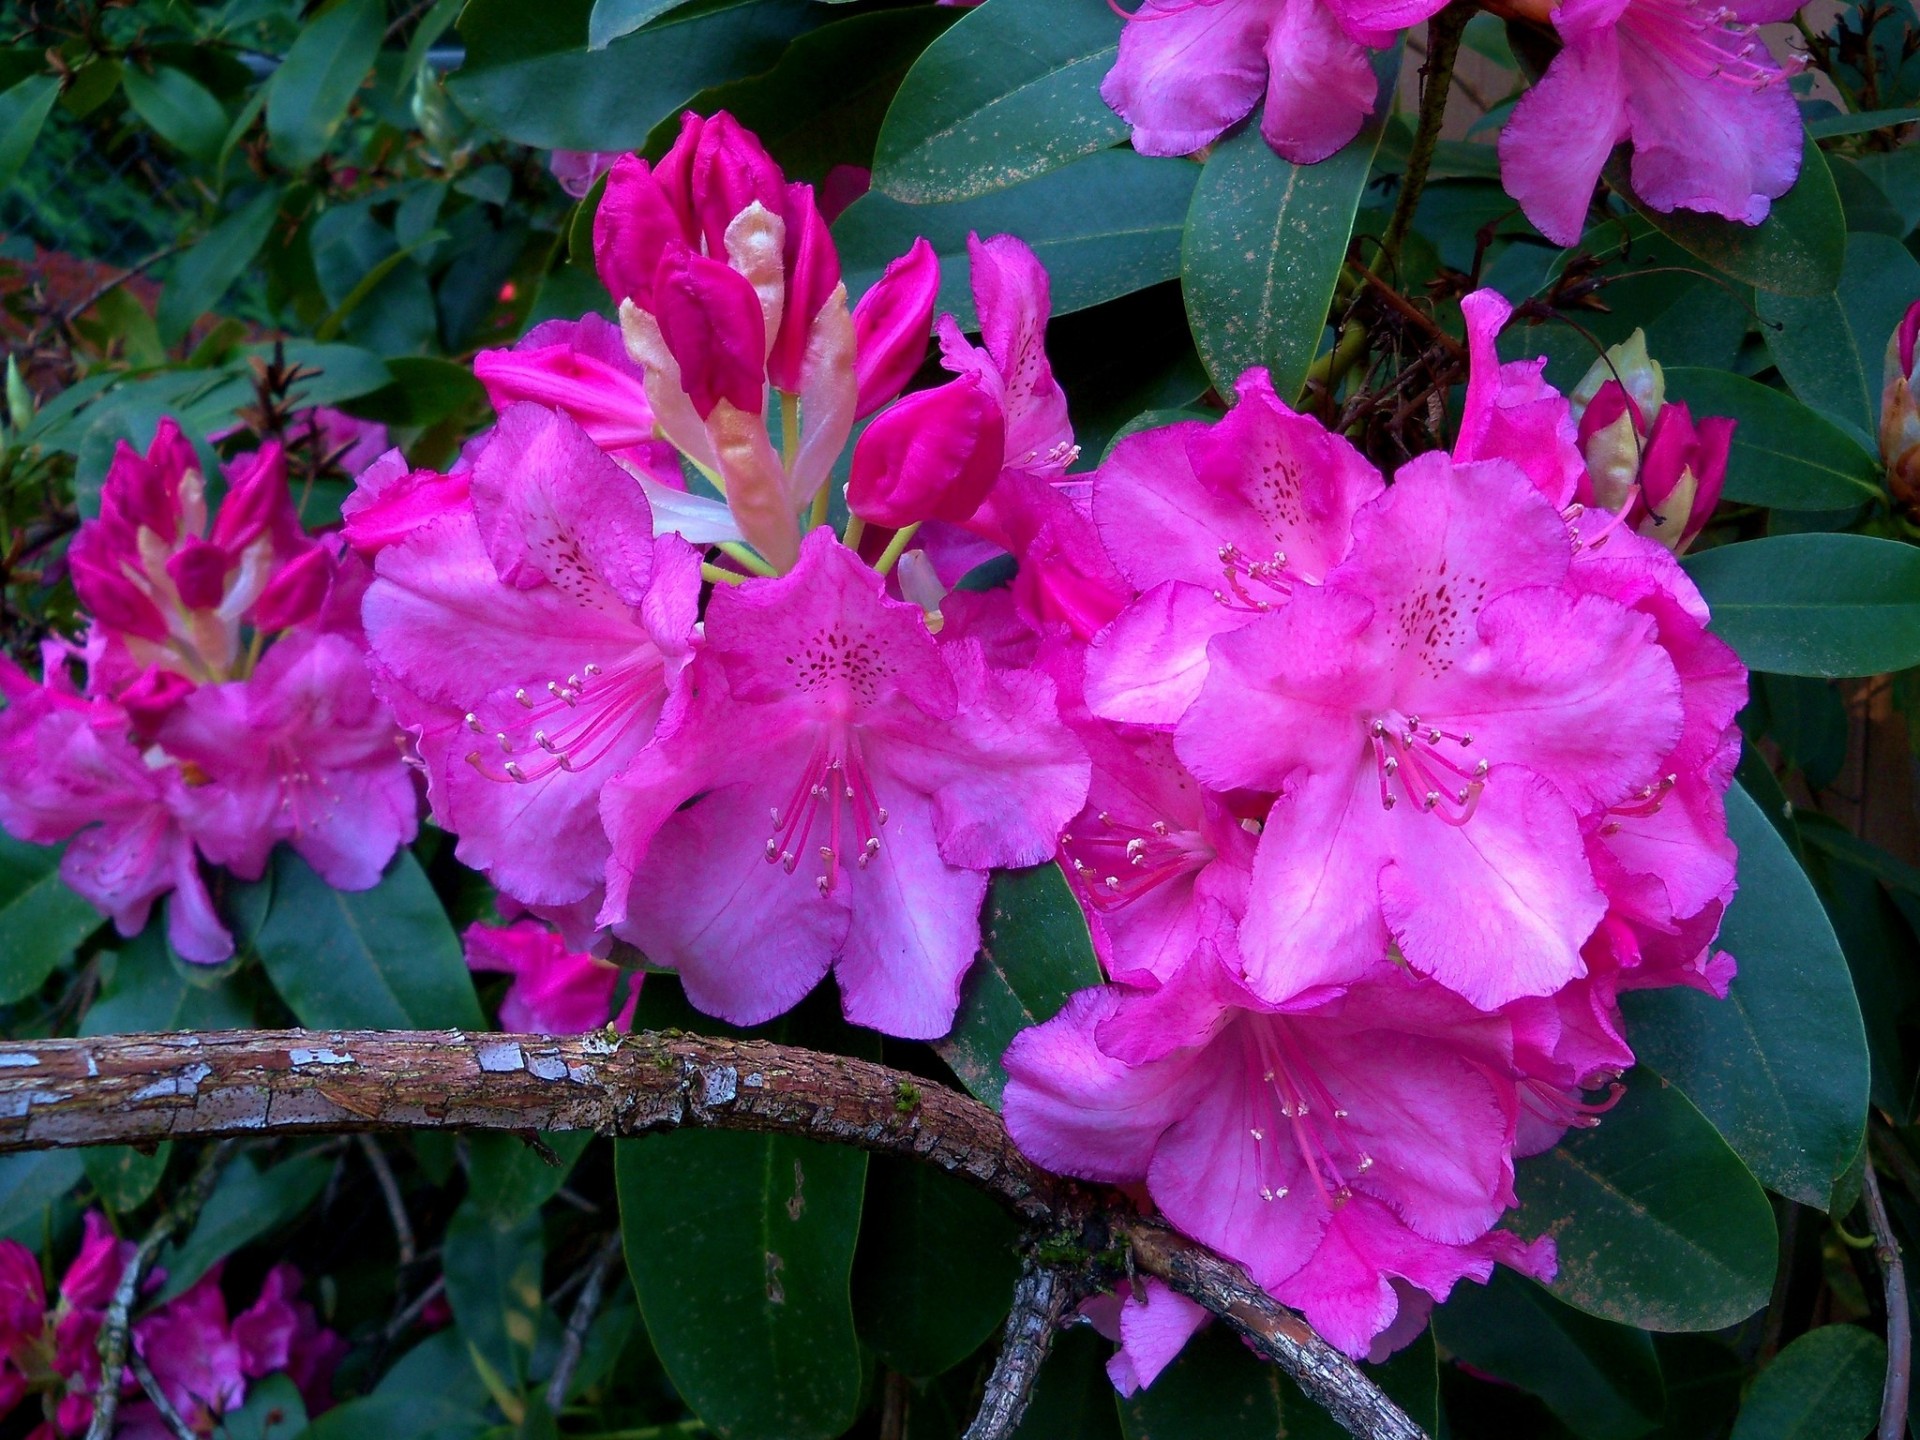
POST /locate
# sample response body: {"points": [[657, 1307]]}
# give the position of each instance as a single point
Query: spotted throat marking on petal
{"points": [[1119, 860], [1414, 754], [574, 727], [835, 795]]}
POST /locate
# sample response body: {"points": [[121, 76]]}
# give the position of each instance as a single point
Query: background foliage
{"points": [[252, 207]]}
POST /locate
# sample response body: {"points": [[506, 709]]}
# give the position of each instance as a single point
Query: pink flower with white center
{"points": [[1689, 83], [555, 991], [1213, 526], [831, 797], [528, 639], [1189, 69], [1436, 717], [1327, 1144]]}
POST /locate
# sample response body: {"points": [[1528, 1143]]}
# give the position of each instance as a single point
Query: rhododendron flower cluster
{"points": [[201, 1357], [217, 701], [1396, 787], [554, 990], [1689, 83]]}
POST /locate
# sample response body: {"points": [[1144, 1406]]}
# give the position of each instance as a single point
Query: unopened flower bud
{"points": [[1900, 416], [198, 570], [1629, 366], [296, 593], [257, 501], [152, 697], [636, 222], [1681, 474], [1611, 435], [114, 600], [711, 321], [729, 170], [891, 325], [148, 487], [812, 274], [931, 456]]}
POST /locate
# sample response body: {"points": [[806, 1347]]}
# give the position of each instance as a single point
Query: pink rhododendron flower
{"points": [[1331, 1145], [1151, 1327], [1689, 83], [579, 170], [832, 796], [528, 638], [1511, 412], [1188, 69], [226, 704], [391, 500], [555, 991]]}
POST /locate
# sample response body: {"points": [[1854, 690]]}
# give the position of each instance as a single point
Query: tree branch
{"points": [[1040, 1301], [121, 1089], [1893, 1399]]}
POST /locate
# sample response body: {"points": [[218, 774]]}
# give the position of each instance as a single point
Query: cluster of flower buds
{"points": [[201, 1359], [1900, 414], [218, 701], [1648, 460]]}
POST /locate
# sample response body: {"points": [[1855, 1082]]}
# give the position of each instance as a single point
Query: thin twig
{"points": [[116, 1324], [169, 1416], [1893, 1399], [1443, 46], [400, 1323], [396, 1205], [896, 1395], [107, 287], [1040, 1300], [573, 1343]]}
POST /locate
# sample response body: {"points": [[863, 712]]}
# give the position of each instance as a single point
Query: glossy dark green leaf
{"points": [[1806, 718], [741, 1251], [30, 1183], [1009, 93], [41, 920], [24, 107], [339, 372], [935, 1269], [1797, 250], [1829, 126], [1831, 347], [509, 1180], [149, 992], [1036, 952], [181, 110], [1600, 1378], [1073, 1398], [1219, 1390], [1656, 1222], [1411, 1378], [382, 958], [245, 1205], [274, 1410], [1785, 455], [1704, 1375], [1105, 225], [1780, 1065], [493, 1286], [205, 273], [418, 1417], [613, 18], [1263, 247], [1825, 605], [529, 75], [424, 390], [316, 82], [1824, 1386]]}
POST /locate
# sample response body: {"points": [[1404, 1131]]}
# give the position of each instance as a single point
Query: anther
{"points": [[514, 772], [473, 723], [521, 696]]}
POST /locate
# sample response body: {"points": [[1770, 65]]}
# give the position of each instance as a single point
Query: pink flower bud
{"points": [[577, 170], [711, 321], [637, 220], [729, 171], [198, 570], [90, 1280], [145, 489], [1904, 336], [1681, 473], [23, 1298], [891, 325], [257, 500], [296, 593], [813, 270], [114, 600], [932, 456], [843, 185], [152, 697]]}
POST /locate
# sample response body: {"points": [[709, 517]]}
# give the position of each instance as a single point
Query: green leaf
{"points": [[613, 18], [424, 391], [1009, 93], [508, 1180], [1264, 244], [310, 92], [1036, 952], [1825, 605], [529, 76], [1785, 456], [1824, 1386], [30, 1183], [1105, 225], [1780, 1065], [1797, 250], [1073, 1399], [935, 1270], [1657, 1223], [125, 1177], [41, 920], [245, 1205], [202, 275], [341, 372], [181, 110], [741, 1251], [1827, 127], [147, 992], [1831, 347], [1600, 1378], [493, 1286], [383, 958], [24, 108], [417, 1417], [274, 1410], [1219, 1390]]}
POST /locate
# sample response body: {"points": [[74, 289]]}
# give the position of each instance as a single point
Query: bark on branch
{"points": [[134, 1089]]}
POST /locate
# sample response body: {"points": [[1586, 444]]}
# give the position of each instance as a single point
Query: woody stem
{"points": [[1443, 47]]}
